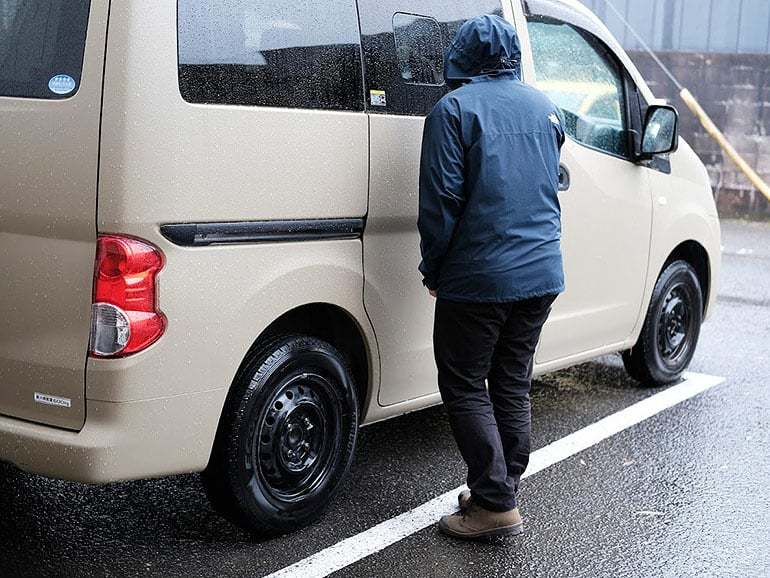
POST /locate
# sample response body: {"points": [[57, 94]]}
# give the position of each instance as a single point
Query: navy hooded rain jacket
{"points": [[490, 221]]}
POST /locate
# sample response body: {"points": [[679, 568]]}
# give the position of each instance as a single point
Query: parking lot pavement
{"points": [[682, 493]]}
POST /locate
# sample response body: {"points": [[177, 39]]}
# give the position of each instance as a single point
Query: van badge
{"points": [[61, 84], [377, 97], [47, 399]]}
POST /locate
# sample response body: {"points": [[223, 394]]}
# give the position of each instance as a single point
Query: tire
{"points": [[671, 329], [286, 437]]}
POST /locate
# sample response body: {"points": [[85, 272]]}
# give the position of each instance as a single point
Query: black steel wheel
{"points": [[671, 329], [286, 438]]}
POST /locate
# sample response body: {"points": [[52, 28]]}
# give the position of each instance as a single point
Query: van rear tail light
{"points": [[125, 317]]}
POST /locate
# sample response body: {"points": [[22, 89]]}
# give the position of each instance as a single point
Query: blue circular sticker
{"points": [[61, 84]]}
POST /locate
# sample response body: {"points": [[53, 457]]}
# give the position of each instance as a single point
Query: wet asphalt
{"points": [[684, 493]]}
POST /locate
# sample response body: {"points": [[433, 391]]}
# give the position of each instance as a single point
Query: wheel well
{"points": [[334, 325], [693, 253]]}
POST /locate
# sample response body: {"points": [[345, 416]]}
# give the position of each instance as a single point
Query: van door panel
{"points": [[607, 209], [606, 221], [48, 156], [400, 307]]}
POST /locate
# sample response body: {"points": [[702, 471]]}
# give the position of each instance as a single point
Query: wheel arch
{"points": [[694, 240], [695, 254], [338, 327]]}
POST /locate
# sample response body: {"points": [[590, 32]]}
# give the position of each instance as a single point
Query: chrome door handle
{"points": [[564, 180]]}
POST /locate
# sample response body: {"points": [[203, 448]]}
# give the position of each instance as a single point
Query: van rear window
{"points": [[41, 47]]}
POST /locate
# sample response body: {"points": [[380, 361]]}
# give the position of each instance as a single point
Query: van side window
{"points": [[404, 43], [419, 49], [41, 47], [582, 77], [277, 53]]}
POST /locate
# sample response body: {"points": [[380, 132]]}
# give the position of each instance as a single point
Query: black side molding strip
{"points": [[201, 234]]}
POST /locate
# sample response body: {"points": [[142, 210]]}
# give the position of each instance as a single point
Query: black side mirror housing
{"points": [[661, 131]]}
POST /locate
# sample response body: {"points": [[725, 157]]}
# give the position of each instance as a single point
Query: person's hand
{"points": [[433, 293]]}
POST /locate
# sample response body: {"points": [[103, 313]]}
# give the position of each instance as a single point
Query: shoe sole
{"points": [[503, 531]]}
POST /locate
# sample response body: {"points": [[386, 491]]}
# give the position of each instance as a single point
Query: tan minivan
{"points": [[208, 231]]}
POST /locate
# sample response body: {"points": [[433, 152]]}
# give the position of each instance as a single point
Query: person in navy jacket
{"points": [[490, 228]]}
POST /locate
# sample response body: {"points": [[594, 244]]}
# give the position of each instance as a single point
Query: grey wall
{"points": [[734, 89], [689, 25]]}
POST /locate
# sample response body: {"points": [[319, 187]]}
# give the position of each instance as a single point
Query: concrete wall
{"points": [[734, 89]]}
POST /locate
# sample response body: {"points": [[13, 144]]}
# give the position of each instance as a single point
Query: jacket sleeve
{"points": [[442, 197]]}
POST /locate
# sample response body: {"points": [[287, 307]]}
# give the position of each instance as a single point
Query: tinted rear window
{"points": [[270, 53], [41, 47]]}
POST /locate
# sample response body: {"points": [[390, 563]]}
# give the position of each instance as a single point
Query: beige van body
{"points": [[128, 139]]}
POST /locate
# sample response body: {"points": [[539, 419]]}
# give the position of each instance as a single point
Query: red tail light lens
{"points": [[125, 317]]}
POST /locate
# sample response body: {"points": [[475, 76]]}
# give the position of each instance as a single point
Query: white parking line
{"points": [[389, 532]]}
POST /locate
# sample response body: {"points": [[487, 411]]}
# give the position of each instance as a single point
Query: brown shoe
{"points": [[478, 523], [464, 500]]}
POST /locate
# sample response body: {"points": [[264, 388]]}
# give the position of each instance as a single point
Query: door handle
{"points": [[564, 180]]}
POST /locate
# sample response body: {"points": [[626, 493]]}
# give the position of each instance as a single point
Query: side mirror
{"points": [[661, 131]]}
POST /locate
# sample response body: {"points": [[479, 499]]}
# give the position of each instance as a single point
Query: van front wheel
{"points": [[286, 437], [671, 329]]}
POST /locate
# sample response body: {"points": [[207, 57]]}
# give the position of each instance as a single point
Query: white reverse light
{"points": [[110, 329]]}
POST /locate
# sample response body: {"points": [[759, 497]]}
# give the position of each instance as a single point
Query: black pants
{"points": [[476, 343]]}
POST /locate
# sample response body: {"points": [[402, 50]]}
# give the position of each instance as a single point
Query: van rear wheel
{"points": [[671, 329], [286, 437]]}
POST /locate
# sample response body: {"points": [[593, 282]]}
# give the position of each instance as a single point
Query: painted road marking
{"points": [[379, 537]]}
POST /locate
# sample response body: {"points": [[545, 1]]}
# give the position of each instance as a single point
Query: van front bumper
{"points": [[119, 441]]}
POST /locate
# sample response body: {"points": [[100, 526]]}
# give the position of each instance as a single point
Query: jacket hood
{"points": [[483, 45]]}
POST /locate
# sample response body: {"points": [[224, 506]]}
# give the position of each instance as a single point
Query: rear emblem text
{"points": [[47, 399]]}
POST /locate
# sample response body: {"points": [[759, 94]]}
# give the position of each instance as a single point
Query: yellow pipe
{"points": [[729, 150]]}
